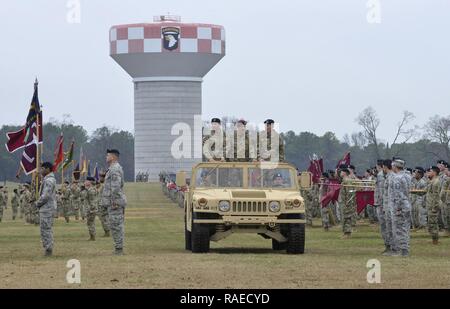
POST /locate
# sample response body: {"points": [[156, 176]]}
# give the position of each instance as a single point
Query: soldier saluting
{"points": [[114, 198], [47, 206]]}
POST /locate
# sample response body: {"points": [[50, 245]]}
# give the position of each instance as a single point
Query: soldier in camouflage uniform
{"points": [[21, 201], [66, 201], [401, 183], [345, 201], [102, 212], [91, 206], [3, 201], [58, 200], [306, 194], [325, 210], [240, 147], [445, 199], [47, 206], [379, 205], [75, 199], [114, 199], [419, 214], [432, 201], [388, 204], [83, 197], [214, 145], [27, 200], [441, 164], [15, 203], [268, 139]]}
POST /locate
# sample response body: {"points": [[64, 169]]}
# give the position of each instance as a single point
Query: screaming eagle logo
{"points": [[171, 37]]}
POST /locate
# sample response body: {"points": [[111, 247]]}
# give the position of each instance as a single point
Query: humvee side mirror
{"points": [[305, 180], [181, 179]]}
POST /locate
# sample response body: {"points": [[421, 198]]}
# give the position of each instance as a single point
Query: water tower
{"points": [[167, 60]]}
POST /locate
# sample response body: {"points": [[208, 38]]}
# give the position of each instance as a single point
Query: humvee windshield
{"points": [[219, 177], [270, 178]]}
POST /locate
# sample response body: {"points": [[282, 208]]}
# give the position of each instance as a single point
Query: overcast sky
{"points": [[311, 65]]}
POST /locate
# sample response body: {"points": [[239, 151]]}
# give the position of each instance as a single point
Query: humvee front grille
{"points": [[249, 206]]}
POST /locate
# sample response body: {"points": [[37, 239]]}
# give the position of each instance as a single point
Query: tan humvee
{"points": [[244, 197]]}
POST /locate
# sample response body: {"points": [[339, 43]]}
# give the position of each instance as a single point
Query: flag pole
{"points": [[36, 83]]}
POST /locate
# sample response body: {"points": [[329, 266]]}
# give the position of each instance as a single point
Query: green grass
{"points": [[155, 256]]}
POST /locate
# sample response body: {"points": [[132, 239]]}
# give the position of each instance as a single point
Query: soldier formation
{"points": [[103, 199], [404, 200]]}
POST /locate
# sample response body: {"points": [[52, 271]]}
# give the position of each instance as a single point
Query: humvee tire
{"points": [[200, 238], [296, 239], [187, 236], [276, 245]]}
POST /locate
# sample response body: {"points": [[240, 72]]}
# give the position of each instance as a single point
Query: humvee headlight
{"points": [[296, 202], [202, 202], [274, 206], [224, 206], [288, 202]]}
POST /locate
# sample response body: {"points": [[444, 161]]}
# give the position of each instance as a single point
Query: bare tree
{"points": [[402, 130], [438, 129], [358, 139], [369, 121]]}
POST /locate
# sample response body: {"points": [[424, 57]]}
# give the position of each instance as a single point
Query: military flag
{"points": [[59, 153], [89, 169], [76, 172], [364, 198], [332, 195], [68, 156], [29, 133], [96, 175], [316, 168], [84, 168], [345, 160], [29, 159]]}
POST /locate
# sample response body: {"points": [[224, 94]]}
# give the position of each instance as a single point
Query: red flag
{"points": [[345, 160], [28, 134], [332, 193], [59, 153], [364, 198], [316, 169], [28, 161]]}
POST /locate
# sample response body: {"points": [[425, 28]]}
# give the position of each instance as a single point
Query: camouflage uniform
{"points": [[58, 204], [114, 199], [75, 199], [47, 205], [265, 151], [28, 200], [2, 204], [21, 202], [306, 194], [83, 202], [432, 201], [91, 210], [388, 208], [379, 204], [214, 146], [419, 207], [239, 147], [445, 199], [325, 211], [401, 183], [66, 202], [15, 205], [102, 212], [345, 201]]}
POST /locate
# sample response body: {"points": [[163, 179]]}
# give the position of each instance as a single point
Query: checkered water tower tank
{"points": [[167, 60]]}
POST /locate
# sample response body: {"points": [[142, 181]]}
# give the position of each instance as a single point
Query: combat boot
{"points": [[49, 252], [106, 234], [67, 220], [435, 241], [386, 250], [405, 253], [118, 252], [346, 236], [91, 238], [395, 253]]}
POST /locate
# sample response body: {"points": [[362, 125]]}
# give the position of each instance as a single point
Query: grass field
{"points": [[155, 256]]}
